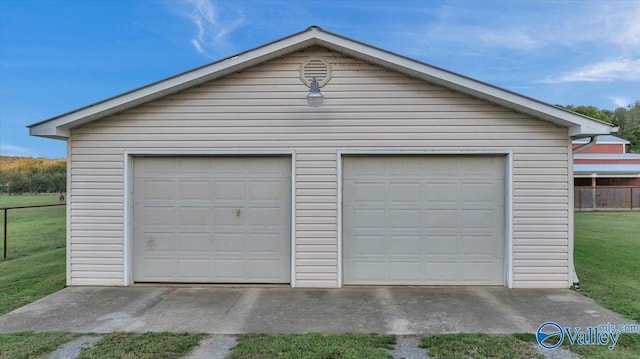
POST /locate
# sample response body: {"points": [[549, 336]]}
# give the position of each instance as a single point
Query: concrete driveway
{"points": [[384, 310]]}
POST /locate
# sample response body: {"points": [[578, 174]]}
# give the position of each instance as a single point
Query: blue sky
{"points": [[56, 56]]}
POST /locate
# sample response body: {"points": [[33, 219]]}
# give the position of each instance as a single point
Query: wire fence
{"points": [[607, 198], [5, 211]]}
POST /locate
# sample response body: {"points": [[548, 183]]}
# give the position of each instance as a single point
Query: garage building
{"points": [[406, 174]]}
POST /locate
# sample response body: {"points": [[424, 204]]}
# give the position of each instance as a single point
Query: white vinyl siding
{"points": [[366, 107]]}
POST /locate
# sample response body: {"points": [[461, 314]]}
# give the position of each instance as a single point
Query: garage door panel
{"points": [[403, 168], [273, 190], [438, 168], [441, 245], [228, 189], [156, 166], [189, 268], [160, 269], [264, 245], [444, 215], [228, 244], [158, 243], [364, 192], [194, 244], [403, 192], [370, 271], [404, 245], [481, 272], [440, 272], [477, 246], [438, 193], [363, 218], [217, 219], [404, 219], [477, 219], [471, 168], [482, 192], [405, 271], [193, 190], [197, 167], [441, 218], [368, 245], [228, 269], [192, 216], [150, 189], [157, 215], [266, 217], [265, 269]]}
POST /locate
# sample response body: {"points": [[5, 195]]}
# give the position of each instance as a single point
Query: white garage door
{"points": [[212, 219], [424, 220]]}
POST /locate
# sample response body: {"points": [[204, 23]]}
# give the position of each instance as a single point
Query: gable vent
{"points": [[317, 68]]}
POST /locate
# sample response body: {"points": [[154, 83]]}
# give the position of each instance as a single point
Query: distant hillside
{"points": [[8, 160], [32, 175]]}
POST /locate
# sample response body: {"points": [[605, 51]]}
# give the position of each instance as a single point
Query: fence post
{"points": [[593, 193], [4, 251], [631, 197], [579, 199]]}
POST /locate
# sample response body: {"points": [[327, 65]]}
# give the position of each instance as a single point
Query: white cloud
{"points": [[620, 101], [7, 149], [587, 23], [212, 27], [513, 39], [608, 70]]}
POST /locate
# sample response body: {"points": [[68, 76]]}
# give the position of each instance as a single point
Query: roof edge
{"points": [[578, 124]]}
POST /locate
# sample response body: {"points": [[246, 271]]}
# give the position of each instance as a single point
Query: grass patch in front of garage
{"points": [[29, 345], [35, 264], [479, 346], [607, 259], [142, 346], [30, 278], [628, 347], [313, 346]]}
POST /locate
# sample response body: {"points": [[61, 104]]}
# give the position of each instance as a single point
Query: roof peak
{"points": [[579, 125]]}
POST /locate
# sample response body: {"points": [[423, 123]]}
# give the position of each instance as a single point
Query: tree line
{"points": [[32, 175]]}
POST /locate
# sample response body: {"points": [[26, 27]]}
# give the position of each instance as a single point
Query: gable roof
{"points": [[579, 125]]}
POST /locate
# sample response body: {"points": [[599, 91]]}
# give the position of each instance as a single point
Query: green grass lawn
{"points": [[142, 346], [35, 264], [31, 345], [479, 346], [313, 346], [32, 230], [607, 259], [27, 199]]}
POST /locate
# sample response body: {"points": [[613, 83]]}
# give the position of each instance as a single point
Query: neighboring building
{"points": [[606, 163], [406, 175], [604, 144], [605, 176]]}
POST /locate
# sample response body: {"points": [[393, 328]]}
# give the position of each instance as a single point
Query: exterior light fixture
{"points": [[314, 97]]}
